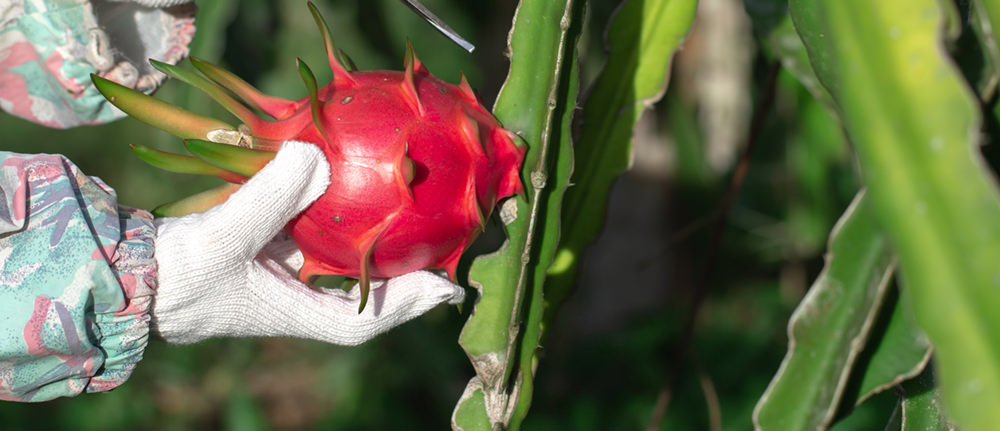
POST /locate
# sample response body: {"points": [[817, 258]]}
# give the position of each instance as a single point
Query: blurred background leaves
{"points": [[626, 351]]}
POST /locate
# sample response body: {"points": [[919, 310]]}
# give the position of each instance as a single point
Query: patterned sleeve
{"points": [[49, 48], [77, 275]]}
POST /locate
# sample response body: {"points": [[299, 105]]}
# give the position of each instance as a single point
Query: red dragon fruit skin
{"points": [[416, 163]]}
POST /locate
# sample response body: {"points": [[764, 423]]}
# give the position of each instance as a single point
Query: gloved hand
{"points": [[220, 273]]}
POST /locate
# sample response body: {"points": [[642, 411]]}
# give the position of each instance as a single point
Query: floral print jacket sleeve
{"points": [[49, 49], [77, 275]]}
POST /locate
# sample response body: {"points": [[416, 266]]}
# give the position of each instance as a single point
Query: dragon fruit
{"points": [[417, 164]]}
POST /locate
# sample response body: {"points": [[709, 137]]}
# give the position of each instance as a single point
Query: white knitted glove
{"points": [[215, 280]]}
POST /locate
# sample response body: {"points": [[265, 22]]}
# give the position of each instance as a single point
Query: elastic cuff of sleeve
{"points": [[125, 332]]}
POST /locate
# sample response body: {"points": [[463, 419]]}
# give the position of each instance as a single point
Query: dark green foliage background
{"points": [[609, 377]]}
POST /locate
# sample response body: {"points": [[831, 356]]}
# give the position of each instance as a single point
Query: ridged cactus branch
{"points": [[536, 102], [915, 126]]}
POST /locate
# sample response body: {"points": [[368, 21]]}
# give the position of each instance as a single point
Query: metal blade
{"points": [[439, 24]]}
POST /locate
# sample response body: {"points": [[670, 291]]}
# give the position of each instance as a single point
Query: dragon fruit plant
{"points": [[417, 164]]}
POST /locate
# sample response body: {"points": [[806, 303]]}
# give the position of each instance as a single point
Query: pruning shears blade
{"points": [[440, 25]]}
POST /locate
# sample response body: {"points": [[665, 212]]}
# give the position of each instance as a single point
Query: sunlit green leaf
{"points": [[915, 127]]}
